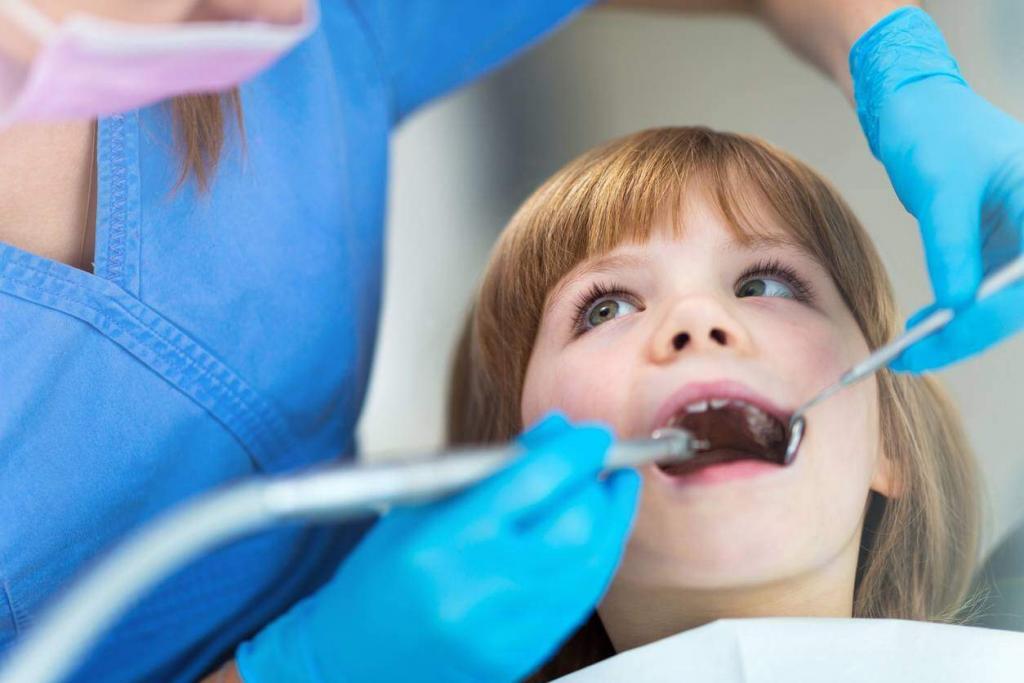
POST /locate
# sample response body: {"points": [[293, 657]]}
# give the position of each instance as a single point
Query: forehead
{"points": [[694, 219]]}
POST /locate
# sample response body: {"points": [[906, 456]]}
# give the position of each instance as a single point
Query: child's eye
{"points": [[774, 279], [764, 286], [607, 309], [603, 302]]}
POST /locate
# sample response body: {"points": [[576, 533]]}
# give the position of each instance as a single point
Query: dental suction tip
{"points": [[682, 442]]}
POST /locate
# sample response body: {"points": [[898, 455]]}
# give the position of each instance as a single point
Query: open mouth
{"points": [[735, 429]]}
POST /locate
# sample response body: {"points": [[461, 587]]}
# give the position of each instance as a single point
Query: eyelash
{"points": [[802, 290], [586, 299]]}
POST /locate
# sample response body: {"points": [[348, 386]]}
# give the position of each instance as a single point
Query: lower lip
{"points": [[722, 472]]}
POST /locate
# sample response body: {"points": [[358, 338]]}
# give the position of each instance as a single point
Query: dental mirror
{"points": [[1007, 275]]}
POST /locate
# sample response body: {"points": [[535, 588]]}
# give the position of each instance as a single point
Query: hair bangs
{"points": [[623, 192]]}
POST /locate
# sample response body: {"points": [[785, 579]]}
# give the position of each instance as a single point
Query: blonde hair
{"points": [[918, 549], [199, 132]]}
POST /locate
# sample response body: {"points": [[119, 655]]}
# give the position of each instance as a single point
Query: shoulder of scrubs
{"points": [[427, 48]]}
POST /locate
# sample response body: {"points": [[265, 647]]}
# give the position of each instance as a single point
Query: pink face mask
{"points": [[88, 67]]}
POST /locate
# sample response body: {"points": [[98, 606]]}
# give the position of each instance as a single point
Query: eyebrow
{"points": [[780, 241]]}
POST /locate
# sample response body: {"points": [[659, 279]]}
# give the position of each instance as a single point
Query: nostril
{"points": [[680, 340], [719, 336]]}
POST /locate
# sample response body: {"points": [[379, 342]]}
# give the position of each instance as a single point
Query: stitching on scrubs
{"points": [[245, 429], [53, 271], [248, 427], [256, 425], [118, 199]]}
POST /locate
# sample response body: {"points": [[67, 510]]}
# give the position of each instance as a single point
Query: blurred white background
{"points": [[462, 166]]}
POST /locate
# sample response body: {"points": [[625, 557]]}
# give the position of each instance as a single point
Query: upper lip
{"points": [[728, 389]]}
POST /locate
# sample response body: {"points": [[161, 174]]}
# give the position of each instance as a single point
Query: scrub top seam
{"points": [[115, 245], [243, 435], [117, 205], [52, 273], [110, 300], [248, 423]]}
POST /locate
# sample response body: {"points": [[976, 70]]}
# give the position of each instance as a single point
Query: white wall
{"points": [[461, 167]]}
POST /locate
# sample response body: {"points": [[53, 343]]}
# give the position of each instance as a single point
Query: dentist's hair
{"points": [[199, 129], [919, 548]]}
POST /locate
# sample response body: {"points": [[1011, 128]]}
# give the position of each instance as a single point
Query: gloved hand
{"points": [[482, 586], [957, 164]]}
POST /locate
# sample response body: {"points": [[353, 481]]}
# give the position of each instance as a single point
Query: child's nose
{"points": [[697, 324], [716, 334]]}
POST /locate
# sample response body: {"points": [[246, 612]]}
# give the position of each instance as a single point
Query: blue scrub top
{"points": [[222, 334]]}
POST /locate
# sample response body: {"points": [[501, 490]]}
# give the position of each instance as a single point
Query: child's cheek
{"points": [[581, 387], [811, 357]]}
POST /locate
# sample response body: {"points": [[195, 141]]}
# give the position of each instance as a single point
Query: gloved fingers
{"points": [[568, 523], [581, 541], [952, 244], [547, 428], [545, 472], [974, 329], [589, 515]]}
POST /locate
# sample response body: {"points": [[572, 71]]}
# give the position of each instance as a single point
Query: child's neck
{"points": [[635, 615]]}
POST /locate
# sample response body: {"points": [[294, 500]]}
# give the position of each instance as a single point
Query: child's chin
{"points": [[717, 555]]}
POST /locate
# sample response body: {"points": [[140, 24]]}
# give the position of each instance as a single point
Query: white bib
{"points": [[814, 650]]}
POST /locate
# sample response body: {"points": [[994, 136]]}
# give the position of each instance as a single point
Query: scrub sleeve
{"points": [[222, 334]]}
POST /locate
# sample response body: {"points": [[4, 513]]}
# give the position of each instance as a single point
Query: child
{"points": [[706, 280]]}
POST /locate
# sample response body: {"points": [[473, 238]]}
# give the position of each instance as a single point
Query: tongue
{"points": [[725, 429]]}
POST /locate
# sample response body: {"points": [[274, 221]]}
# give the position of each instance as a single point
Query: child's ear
{"points": [[883, 480]]}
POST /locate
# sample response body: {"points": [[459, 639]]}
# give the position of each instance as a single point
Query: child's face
{"points": [[703, 317]]}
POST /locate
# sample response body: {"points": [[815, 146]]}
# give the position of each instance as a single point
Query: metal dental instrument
{"points": [[57, 642], [1007, 275]]}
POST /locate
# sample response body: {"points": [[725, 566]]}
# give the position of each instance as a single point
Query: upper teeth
{"points": [[698, 407], [714, 404], [752, 411], [765, 427]]}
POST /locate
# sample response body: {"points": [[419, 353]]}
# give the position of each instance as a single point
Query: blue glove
{"points": [[482, 586], [957, 164]]}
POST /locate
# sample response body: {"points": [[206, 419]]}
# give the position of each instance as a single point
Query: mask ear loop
{"points": [[30, 18]]}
